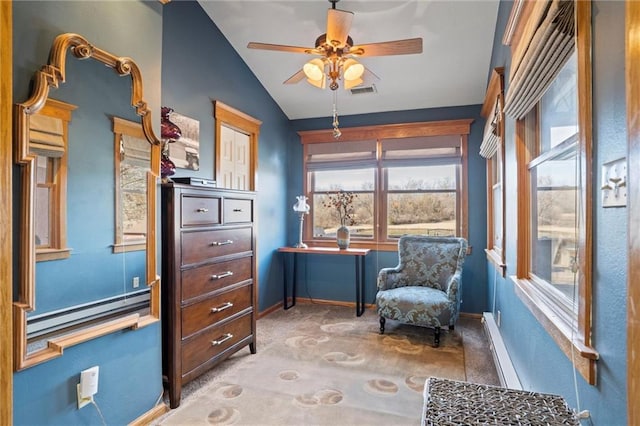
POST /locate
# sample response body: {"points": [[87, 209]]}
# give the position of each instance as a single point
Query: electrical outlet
{"points": [[136, 282], [88, 386], [498, 318], [83, 401]]}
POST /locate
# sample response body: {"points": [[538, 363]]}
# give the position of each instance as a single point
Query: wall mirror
{"points": [[89, 164]]}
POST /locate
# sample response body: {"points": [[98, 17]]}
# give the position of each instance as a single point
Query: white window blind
{"points": [[549, 48], [46, 136], [421, 150], [344, 154], [491, 135]]}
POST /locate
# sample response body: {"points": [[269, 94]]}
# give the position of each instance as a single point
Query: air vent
{"points": [[363, 90]]}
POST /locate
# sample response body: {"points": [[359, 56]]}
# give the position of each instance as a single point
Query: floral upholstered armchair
{"points": [[425, 288]]}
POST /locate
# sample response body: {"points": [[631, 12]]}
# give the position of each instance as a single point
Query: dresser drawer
{"points": [[200, 210], [212, 342], [237, 211], [204, 245], [208, 278], [208, 312]]}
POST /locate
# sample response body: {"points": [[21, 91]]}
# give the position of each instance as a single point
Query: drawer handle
{"points": [[220, 276], [222, 340], [202, 210], [221, 307], [237, 210], [222, 243]]}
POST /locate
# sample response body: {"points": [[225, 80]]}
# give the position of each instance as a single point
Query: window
{"points": [[406, 179], [553, 149], [132, 168], [492, 149], [48, 139]]}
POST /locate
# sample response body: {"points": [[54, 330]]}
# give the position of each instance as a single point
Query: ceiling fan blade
{"points": [[338, 27], [283, 48], [296, 78], [397, 47]]}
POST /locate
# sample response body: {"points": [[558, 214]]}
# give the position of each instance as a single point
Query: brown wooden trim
{"points": [[494, 89], [523, 157], [53, 75], [378, 133], [463, 193], [269, 310], [244, 123], [490, 204], [512, 23], [632, 59], [155, 413], [44, 255], [309, 301], [58, 215], [585, 250], [497, 261], [387, 131], [495, 93], [471, 315], [6, 213]]}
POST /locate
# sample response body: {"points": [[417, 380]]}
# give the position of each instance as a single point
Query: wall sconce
{"points": [[302, 208]]}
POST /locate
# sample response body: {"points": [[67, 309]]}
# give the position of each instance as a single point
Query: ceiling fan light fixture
{"points": [[320, 84], [314, 70], [352, 70], [348, 84]]}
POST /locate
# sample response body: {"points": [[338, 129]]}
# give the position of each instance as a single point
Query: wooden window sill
{"points": [[559, 327], [496, 259], [42, 255]]}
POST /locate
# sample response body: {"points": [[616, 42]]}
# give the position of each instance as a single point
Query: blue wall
{"points": [[46, 393], [211, 70], [315, 283], [186, 64], [540, 364]]}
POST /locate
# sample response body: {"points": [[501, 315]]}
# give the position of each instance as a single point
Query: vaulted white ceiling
{"points": [[452, 70]]}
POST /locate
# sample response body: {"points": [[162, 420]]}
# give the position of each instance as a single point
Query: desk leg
{"points": [[284, 266], [295, 279], [359, 285], [362, 285]]}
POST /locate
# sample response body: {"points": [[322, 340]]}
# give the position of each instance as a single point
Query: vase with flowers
{"points": [[342, 203]]}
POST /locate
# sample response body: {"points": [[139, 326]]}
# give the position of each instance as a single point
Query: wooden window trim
{"points": [[573, 339], [58, 215], [495, 93], [460, 127], [632, 59], [134, 129]]}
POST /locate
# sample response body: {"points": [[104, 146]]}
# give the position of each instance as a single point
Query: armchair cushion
{"points": [[423, 306]]}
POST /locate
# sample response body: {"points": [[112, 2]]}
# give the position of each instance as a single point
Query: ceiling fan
{"points": [[336, 53]]}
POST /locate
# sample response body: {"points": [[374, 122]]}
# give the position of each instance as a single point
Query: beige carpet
{"points": [[322, 365]]}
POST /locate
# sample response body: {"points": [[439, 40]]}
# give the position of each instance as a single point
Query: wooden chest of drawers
{"points": [[209, 280]]}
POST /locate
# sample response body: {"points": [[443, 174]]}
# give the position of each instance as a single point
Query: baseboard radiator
{"points": [[504, 366]]}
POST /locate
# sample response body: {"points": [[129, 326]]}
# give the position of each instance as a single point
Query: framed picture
{"points": [[185, 151]]}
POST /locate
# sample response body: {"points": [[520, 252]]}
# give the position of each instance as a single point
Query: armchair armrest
{"points": [[388, 278], [453, 287]]}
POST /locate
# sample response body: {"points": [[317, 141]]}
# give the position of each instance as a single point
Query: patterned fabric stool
{"points": [[449, 402]]}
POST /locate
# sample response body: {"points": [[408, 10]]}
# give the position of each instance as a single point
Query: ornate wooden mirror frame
{"points": [[50, 76]]}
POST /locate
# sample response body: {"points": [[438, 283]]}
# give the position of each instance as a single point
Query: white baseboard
{"points": [[504, 366]]}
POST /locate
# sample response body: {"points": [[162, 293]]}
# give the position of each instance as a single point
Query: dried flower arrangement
{"points": [[342, 202]]}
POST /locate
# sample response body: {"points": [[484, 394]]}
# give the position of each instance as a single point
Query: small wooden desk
{"points": [[358, 255]]}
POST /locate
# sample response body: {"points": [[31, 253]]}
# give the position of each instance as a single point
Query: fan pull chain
{"points": [[336, 132]]}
